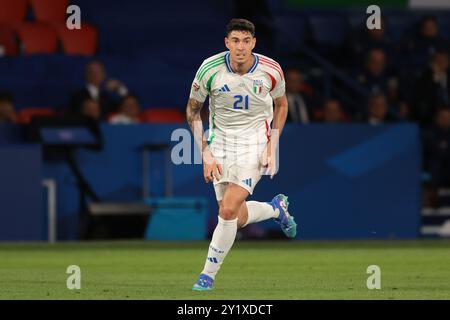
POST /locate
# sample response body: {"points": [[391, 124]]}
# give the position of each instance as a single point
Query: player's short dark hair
{"points": [[240, 25]]}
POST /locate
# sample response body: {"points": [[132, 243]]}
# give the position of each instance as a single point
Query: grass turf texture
{"points": [[253, 270]]}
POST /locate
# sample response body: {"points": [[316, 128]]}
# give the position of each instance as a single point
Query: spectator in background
{"points": [[298, 111], [432, 89], [437, 149], [105, 91], [362, 42], [7, 112], [426, 41], [332, 111], [377, 108], [376, 78], [91, 110], [403, 111], [129, 111]]}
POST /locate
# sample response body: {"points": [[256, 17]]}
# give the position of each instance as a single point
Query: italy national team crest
{"points": [[257, 86]]}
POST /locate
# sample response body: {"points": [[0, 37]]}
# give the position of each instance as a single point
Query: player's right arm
{"points": [[211, 168], [200, 89]]}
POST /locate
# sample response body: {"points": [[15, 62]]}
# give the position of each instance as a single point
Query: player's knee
{"points": [[227, 213]]}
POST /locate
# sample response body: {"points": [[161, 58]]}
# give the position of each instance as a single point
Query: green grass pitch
{"points": [[252, 270]]}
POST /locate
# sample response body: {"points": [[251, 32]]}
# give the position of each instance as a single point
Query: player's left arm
{"points": [[280, 102], [280, 112], [279, 119], [279, 115]]}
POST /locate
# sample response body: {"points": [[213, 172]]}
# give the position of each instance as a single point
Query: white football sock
{"points": [[259, 211], [221, 242]]}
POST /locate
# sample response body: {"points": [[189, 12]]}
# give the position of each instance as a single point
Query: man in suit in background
{"points": [[432, 89], [298, 111], [105, 91]]}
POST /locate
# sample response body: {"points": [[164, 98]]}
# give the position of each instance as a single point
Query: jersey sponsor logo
{"points": [[257, 86], [224, 89], [196, 86]]}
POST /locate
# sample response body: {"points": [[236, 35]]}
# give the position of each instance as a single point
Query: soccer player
{"points": [[246, 91]]}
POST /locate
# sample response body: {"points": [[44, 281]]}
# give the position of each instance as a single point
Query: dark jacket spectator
{"points": [[375, 76], [98, 88], [359, 44], [296, 89], [91, 109], [129, 111], [432, 89], [425, 41], [332, 112], [437, 150], [378, 110]]}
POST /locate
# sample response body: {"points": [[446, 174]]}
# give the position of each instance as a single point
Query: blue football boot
{"points": [[285, 220], [203, 283]]}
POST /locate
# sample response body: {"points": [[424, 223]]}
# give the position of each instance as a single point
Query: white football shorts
{"points": [[244, 170]]}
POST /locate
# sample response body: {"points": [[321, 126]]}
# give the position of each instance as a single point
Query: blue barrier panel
{"points": [[350, 181], [21, 216], [177, 219], [354, 181]]}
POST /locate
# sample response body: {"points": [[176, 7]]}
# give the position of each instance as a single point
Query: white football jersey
{"points": [[241, 106]]}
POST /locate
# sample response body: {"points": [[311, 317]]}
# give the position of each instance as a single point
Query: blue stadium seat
{"points": [[290, 32], [398, 26], [328, 30], [49, 79], [356, 20], [444, 25]]}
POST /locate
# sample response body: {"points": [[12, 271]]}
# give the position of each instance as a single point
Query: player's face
{"points": [[240, 44]]}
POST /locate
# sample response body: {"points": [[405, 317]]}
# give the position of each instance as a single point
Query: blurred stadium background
{"points": [[86, 118], [364, 154]]}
